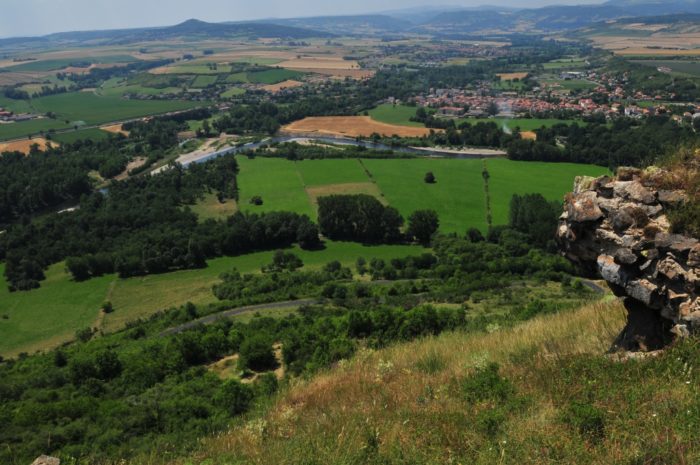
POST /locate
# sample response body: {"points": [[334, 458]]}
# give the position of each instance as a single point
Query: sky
{"points": [[21, 18]]}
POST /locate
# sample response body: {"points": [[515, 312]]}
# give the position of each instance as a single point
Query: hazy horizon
{"points": [[22, 18]]}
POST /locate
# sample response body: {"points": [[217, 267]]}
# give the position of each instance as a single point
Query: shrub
{"points": [[234, 397], [256, 354], [429, 178], [588, 419], [431, 363], [487, 384]]}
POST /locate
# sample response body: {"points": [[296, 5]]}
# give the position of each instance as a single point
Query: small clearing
{"points": [[24, 146], [115, 129], [279, 87], [351, 126], [529, 135], [137, 162], [512, 76]]}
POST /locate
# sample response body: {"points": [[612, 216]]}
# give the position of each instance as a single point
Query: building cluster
{"points": [[7, 116]]}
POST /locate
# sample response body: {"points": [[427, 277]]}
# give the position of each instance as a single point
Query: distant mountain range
{"points": [[190, 29], [432, 20]]}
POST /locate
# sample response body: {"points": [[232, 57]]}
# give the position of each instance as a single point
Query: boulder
{"points": [[625, 257], [584, 208], [46, 460]]}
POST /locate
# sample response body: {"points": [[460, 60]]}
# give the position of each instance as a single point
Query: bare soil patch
{"points": [[289, 84], [351, 126], [528, 135], [115, 129], [25, 145], [511, 76], [137, 162]]}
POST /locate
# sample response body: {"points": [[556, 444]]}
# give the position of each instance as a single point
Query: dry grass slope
{"points": [[398, 405]]}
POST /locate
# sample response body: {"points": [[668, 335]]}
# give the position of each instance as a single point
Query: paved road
{"points": [[237, 311]]}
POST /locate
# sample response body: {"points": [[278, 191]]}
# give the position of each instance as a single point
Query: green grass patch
{"points": [[53, 65], [204, 81], [232, 92], [95, 109], [198, 69], [324, 172], [210, 207], [552, 180], [259, 61], [457, 196], [94, 134], [238, 78], [33, 127], [682, 67], [49, 315], [395, 114], [571, 84], [273, 76], [277, 181]]}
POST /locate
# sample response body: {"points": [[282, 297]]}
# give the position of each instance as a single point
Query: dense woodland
{"points": [[625, 142]]}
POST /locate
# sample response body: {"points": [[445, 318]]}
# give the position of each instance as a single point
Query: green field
{"points": [[458, 196], [259, 61], [204, 81], [64, 306], [273, 76], [681, 67], [232, 92], [277, 181], [53, 65], [571, 84], [25, 128], [552, 180], [198, 68], [565, 64], [210, 207], [81, 134], [237, 78], [324, 172], [95, 109], [395, 114]]}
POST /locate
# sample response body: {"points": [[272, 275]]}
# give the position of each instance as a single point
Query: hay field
{"points": [[512, 76], [653, 45], [25, 145], [325, 62], [280, 86], [351, 126]]}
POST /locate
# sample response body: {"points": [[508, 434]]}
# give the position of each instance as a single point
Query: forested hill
{"points": [[193, 29]]}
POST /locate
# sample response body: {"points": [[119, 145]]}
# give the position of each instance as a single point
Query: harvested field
{"points": [[12, 78], [25, 145], [351, 126], [340, 73], [325, 63], [654, 45], [528, 135], [345, 189], [512, 76], [115, 129], [289, 84]]}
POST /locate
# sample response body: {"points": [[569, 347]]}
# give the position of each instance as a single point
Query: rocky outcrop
{"points": [[617, 228], [46, 460]]}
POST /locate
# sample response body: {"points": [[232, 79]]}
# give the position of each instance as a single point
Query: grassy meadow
{"points": [[458, 196], [64, 306], [395, 114]]}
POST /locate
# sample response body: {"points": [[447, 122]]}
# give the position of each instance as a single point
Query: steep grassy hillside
{"points": [[539, 393]]}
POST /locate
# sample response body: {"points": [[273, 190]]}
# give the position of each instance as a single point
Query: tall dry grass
{"points": [[401, 404]]}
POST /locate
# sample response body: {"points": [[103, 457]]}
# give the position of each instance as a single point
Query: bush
{"points": [[487, 384], [429, 178], [588, 419], [256, 354], [234, 397]]}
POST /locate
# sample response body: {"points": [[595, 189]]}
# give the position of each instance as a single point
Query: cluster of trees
{"points": [[624, 143], [360, 218]]}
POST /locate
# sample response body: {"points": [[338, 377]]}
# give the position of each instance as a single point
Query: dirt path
{"points": [[238, 311]]}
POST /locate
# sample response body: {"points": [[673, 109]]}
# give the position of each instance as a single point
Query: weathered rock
{"points": [[625, 257], [46, 460], [671, 198], [694, 256], [619, 230], [627, 173], [584, 208]]}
